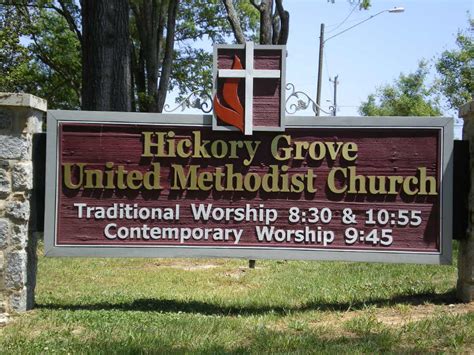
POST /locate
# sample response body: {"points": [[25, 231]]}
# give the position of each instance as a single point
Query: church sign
{"points": [[247, 181]]}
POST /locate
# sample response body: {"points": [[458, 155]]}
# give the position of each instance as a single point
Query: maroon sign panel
{"points": [[365, 189]]}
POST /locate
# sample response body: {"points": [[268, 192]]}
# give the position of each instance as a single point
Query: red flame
{"points": [[235, 114]]}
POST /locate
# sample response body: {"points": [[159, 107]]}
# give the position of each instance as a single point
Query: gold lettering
{"points": [[300, 148], [248, 182], [133, 177], [394, 180], [152, 175], [203, 179], [159, 145], [147, 144], [180, 148], [332, 180], [219, 175], [297, 183], [186, 181], [270, 180], [349, 151], [354, 179], [373, 189], [68, 175], [321, 149], [424, 179], [109, 176], [121, 172], [233, 148], [333, 148], [406, 185], [171, 147], [286, 151], [200, 150], [284, 182], [90, 175], [230, 175], [251, 150], [215, 149]]}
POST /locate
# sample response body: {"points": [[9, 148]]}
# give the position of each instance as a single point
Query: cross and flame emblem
{"points": [[234, 114], [228, 107]]}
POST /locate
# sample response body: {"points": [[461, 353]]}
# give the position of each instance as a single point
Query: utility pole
{"points": [[335, 82], [320, 70], [322, 41]]}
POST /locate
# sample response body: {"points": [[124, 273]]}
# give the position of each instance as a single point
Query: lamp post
{"points": [[322, 41]]}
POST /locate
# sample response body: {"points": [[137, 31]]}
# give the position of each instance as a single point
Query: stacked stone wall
{"points": [[21, 116]]}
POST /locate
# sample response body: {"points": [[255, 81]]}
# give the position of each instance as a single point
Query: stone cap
{"points": [[466, 109], [23, 100]]}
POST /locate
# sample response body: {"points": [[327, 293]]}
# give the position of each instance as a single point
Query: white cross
{"points": [[249, 73]]}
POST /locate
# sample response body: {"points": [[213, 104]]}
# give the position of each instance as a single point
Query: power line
{"points": [[343, 21]]}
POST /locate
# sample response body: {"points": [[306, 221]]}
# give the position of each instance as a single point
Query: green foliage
{"points": [[47, 60], [409, 95], [456, 69], [40, 55], [14, 56], [200, 20], [56, 73], [207, 18], [192, 71]]}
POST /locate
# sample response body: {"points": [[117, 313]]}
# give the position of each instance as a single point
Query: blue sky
{"points": [[371, 54]]}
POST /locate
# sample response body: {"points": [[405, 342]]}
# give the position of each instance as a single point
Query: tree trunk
{"points": [[150, 18], [266, 25], [284, 27], [168, 55], [106, 79], [234, 21], [274, 27]]}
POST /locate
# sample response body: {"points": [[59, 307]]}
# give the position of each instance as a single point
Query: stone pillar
{"points": [[21, 115], [465, 286]]}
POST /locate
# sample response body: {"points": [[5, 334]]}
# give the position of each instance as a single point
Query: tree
{"points": [[409, 95], [48, 54], [14, 56], [55, 72], [274, 21], [157, 28], [153, 50], [156, 66], [455, 69], [74, 52], [106, 55]]}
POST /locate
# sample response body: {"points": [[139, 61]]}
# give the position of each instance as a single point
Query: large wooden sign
{"points": [[362, 189]]}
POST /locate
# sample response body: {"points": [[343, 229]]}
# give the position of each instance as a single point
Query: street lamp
{"points": [[322, 41]]}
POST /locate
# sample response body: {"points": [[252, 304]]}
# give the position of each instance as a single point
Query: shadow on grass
{"points": [[191, 306], [266, 342]]}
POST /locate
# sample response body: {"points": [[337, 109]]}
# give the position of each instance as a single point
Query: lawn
{"points": [[130, 306]]}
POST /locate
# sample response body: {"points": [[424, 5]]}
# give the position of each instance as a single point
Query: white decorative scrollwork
{"points": [[197, 99], [303, 101]]}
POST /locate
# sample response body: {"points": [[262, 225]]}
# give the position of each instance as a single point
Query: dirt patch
{"points": [[395, 317], [196, 265], [391, 317], [188, 265], [236, 274]]}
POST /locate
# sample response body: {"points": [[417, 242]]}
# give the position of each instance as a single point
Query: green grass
{"points": [[129, 306]]}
